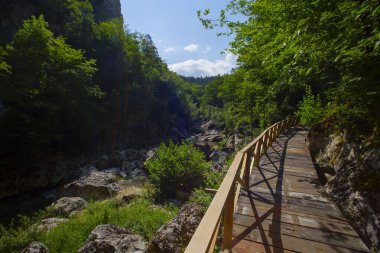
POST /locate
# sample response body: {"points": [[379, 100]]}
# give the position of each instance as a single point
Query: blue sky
{"points": [[181, 40]]}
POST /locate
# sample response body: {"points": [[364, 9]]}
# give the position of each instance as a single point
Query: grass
{"points": [[141, 217]]}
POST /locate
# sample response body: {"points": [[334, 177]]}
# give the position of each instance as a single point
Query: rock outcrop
{"points": [[351, 174], [68, 206], [113, 239], [96, 186], [173, 236], [35, 247]]}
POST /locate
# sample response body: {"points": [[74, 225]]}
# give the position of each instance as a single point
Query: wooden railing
{"points": [[224, 202]]}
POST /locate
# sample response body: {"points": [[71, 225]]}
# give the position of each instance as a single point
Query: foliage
{"points": [[310, 110], [177, 166], [48, 78], [97, 83], [69, 236], [285, 46], [201, 197], [214, 179]]}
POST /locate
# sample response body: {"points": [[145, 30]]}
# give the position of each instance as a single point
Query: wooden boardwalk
{"points": [[286, 209]]}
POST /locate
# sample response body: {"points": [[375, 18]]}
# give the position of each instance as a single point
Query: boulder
{"points": [[86, 170], [208, 126], [173, 236], [50, 223], [202, 145], [110, 238], [231, 142], [35, 247], [220, 155], [97, 185], [137, 173], [109, 161], [212, 137], [67, 206], [115, 171], [150, 154]]}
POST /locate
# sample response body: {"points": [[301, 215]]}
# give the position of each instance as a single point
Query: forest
{"points": [[77, 87], [74, 82]]}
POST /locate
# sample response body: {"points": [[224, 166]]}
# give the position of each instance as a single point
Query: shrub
{"points": [[177, 167], [214, 179], [310, 110], [201, 197]]}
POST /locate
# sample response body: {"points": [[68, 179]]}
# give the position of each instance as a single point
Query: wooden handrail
{"points": [[223, 205]]}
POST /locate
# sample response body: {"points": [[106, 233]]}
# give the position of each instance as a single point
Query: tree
{"points": [[284, 46], [49, 94]]}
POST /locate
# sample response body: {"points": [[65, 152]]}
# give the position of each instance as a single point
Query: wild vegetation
{"points": [[96, 82], [75, 82], [138, 216], [284, 47]]}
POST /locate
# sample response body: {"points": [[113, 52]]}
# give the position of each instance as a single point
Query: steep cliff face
{"points": [[351, 174]]}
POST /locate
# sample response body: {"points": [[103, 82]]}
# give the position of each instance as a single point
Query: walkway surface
{"points": [[286, 209]]}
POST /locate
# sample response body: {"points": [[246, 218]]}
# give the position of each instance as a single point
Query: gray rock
{"points": [[212, 137], [96, 186], [109, 238], [50, 223], [133, 169], [115, 171], [231, 142], [208, 126], [173, 236], [151, 154], [351, 173], [35, 247], [67, 206], [202, 145], [109, 161], [86, 170], [137, 173], [219, 156]]}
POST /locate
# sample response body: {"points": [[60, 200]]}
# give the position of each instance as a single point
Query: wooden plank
{"points": [[293, 219], [318, 231], [245, 246], [265, 210], [289, 202], [293, 242]]}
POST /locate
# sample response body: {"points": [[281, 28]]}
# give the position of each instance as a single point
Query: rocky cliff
{"points": [[350, 172]]}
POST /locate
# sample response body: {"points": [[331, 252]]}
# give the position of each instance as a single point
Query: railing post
{"points": [[247, 172], [228, 220], [257, 153]]}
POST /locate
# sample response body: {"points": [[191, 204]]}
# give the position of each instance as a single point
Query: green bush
{"points": [[201, 197], [214, 179], [177, 167], [310, 110]]}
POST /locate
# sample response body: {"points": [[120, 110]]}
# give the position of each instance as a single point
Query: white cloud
{"points": [[203, 67], [191, 48], [169, 49]]}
